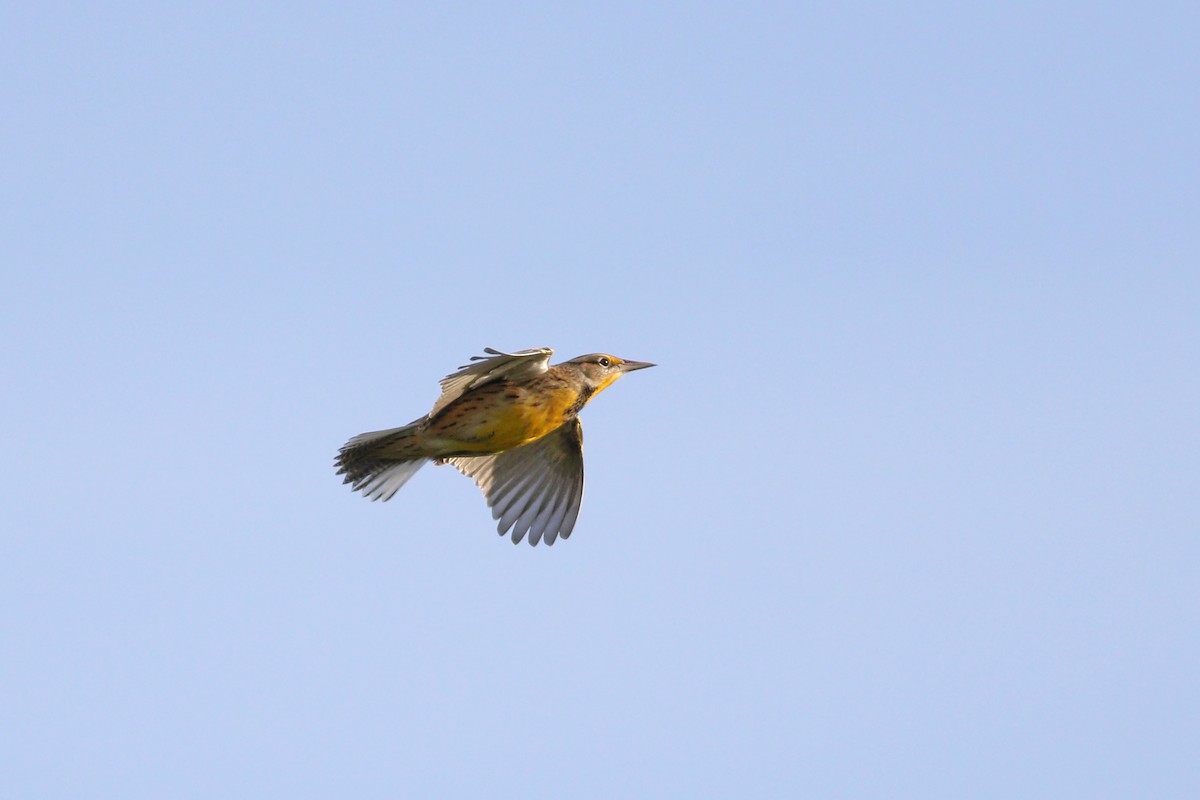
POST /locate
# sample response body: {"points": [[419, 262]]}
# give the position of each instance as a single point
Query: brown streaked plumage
{"points": [[510, 423]]}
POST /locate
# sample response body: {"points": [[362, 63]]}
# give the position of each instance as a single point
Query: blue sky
{"points": [[908, 509]]}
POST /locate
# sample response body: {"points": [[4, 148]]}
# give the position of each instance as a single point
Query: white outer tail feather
{"points": [[384, 484]]}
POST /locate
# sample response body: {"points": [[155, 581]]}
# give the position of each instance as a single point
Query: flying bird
{"points": [[509, 422]]}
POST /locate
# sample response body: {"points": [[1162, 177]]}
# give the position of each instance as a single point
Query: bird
{"points": [[510, 422]]}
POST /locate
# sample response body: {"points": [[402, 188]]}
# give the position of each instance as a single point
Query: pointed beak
{"points": [[630, 366]]}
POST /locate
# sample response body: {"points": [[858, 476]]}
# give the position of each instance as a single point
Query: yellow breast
{"points": [[497, 417]]}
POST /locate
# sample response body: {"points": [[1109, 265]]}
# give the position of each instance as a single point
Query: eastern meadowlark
{"points": [[509, 422]]}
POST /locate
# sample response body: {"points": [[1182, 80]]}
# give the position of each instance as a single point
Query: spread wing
{"points": [[535, 488], [494, 366]]}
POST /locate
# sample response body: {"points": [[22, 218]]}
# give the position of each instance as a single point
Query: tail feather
{"points": [[380, 462], [384, 484]]}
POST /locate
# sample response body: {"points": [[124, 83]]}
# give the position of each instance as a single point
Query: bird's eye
{"points": [[604, 362]]}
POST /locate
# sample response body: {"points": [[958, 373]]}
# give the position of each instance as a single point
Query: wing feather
{"points": [[494, 366], [546, 512], [534, 490]]}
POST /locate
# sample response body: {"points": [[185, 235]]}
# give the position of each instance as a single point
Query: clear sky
{"points": [[909, 508]]}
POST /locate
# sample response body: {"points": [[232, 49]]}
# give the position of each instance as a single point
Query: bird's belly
{"points": [[493, 427]]}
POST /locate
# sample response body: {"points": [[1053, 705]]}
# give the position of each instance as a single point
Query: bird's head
{"points": [[599, 370]]}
